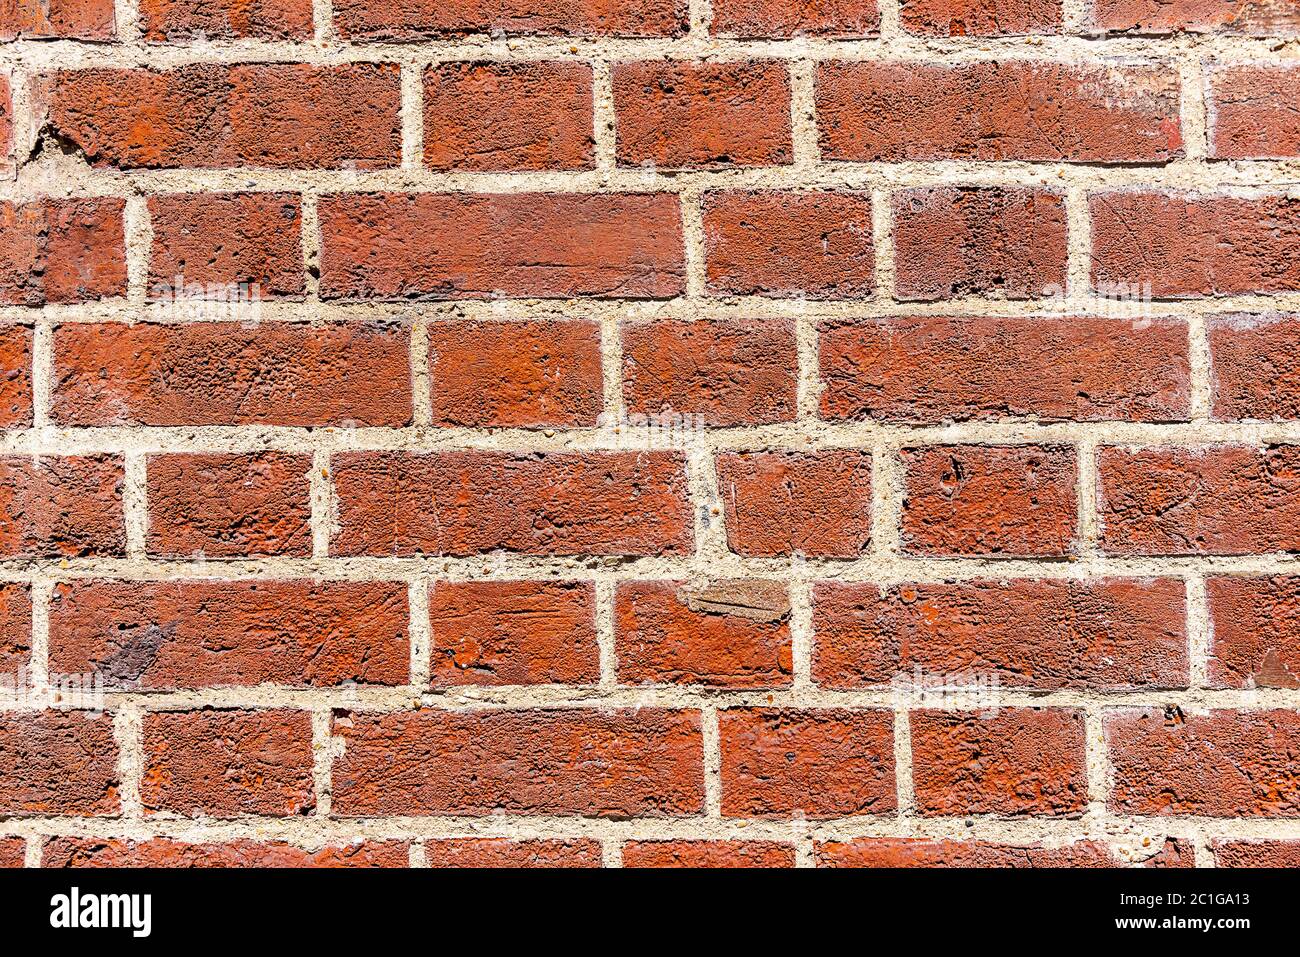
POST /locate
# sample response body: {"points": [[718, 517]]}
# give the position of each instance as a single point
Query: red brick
{"points": [[540, 245], [6, 124], [702, 115], [497, 852], [205, 245], [61, 507], [1235, 764], [166, 852], [643, 763], [1174, 246], [1256, 366], [1017, 761], [228, 506], [1252, 17], [177, 20], [58, 763], [15, 376], [1250, 114], [211, 115], [1217, 500], [15, 634], [760, 19], [764, 243], [227, 763], [412, 19], [504, 373], [1011, 110], [953, 241], [980, 18], [726, 371], [196, 634], [62, 251], [13, 851], [470, 503], [1254, 632], [1102, 635], [70, 19], [797, 503], [924, 852], [513, 633], [730, 634], [230, 373], [708, 854], [1256, 853], [821, 763], [486, 117], [929, 370], [1007, 501]]}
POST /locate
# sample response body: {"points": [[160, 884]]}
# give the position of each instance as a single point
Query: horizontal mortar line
{"points": [[500, 566], [370, 699], [614, 311], [316, 830], [1245, 178], [1082, 48], [670, 438]]}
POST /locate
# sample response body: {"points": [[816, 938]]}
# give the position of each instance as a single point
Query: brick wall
{"points": [[455, 433]]}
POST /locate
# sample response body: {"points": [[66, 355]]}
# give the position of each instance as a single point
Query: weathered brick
{"points": [[211, 115], [58, 763], [922, 852], [235, 247], [821, 763], [1215, 500], [725, 371], [513, 633], [998, 110], [928, 370], [731, 634], [167, 852], [955, 241], [1175, 246], [1255, 363], [1156, 17], [487, 117], [980, 18], [226, 506], [1236, 764], [1256, 853], [540, 245], [527, 374], [197, 634], [61, 506], [1018, 761], [797, 503], [70, 19], [762, 19], [227, 373], [498, 852], [15, 633], [227, 763], [1098, 635], [1254, 632], [169, 21], [1004, 501], [469, 503], [412, 19], [680, 114], [643, 763], [62, 251], [1250, 114], [15, 376], [768, 243], [707, 854]]}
